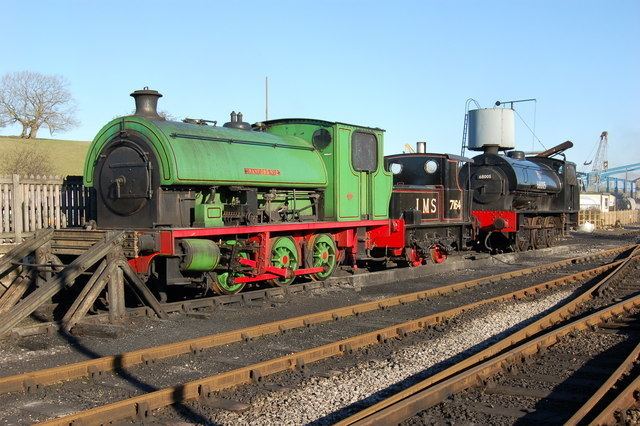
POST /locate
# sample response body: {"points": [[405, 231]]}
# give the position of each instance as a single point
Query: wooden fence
{"points": [[35, 202], [609, 219]]}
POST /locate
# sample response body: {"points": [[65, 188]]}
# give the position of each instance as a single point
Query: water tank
{"points": [[491, 127]]}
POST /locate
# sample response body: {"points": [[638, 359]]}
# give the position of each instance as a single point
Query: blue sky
{"points": [[405, 66]]}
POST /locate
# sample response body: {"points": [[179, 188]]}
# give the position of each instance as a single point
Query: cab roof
{"points": [[312, 121]]}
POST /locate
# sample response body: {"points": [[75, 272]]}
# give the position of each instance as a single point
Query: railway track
{"points": [[553, 387], [140, 406], [535, 381]]}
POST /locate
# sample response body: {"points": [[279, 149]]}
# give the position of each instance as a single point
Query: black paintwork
{"points": [[539, 185], [128, 188], [433, 205]]}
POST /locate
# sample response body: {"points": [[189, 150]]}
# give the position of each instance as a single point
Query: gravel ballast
{"points": [[318, 397]]}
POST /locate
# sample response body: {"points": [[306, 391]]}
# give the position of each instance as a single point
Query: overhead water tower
{"points": [[491, 130]]}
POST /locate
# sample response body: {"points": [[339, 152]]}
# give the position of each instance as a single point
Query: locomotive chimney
{"points": [[147, 103], [491, 149], [421, 147]]}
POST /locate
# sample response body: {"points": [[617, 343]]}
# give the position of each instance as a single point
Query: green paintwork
{"points": [[284, 254], [225, 287], [223, 284], [204, 255], [211, 155], [324, 254], [208, 213], [350, 195], [190, 154]]}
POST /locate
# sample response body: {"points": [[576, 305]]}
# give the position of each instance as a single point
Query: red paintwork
{"points": [[438, 255], [271, 276], [141, 264], [414, 257], [388, 234], [486, 219]]}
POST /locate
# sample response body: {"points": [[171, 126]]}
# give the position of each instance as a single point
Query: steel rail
{"points": [[625, 399], [140, 406], [476, 369], [28, 380], [588, 406], [251, 296]]}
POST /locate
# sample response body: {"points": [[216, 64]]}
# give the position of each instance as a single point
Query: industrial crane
{"points": [[601, 177], [600, 162]]}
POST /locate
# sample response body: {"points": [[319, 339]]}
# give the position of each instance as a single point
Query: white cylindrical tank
{"points": [[491, 127]]}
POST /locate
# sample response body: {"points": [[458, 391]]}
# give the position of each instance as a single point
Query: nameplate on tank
{"points": [[267, 172]]}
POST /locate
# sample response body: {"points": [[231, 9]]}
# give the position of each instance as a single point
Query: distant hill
{"points": [[67, 156]]}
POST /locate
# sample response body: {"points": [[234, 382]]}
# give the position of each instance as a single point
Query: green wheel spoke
{"points": [[324, 255], [284, 254], [222, 284]]}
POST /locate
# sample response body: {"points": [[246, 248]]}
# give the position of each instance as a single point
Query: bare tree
{"points": [[36, 100]]}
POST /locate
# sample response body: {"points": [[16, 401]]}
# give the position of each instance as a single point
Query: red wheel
{"points": [[438, 254], [414, 258]]}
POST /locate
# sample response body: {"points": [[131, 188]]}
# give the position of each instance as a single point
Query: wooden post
{"points": [[32, 206], [25, 207], [4, 205], [115, 291], [14, 293], [65, 278], [56, 206], [42, 257], [141, 289], [87, 296], [16, 215]]}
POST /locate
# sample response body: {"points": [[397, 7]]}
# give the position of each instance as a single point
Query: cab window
{"points": [[364, 152]]}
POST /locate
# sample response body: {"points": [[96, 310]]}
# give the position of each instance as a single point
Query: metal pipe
{"points": [[556, 149], [421, 147], [498, 103]]}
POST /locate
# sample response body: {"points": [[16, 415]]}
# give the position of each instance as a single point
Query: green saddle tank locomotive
{"points": [[221, 207]]}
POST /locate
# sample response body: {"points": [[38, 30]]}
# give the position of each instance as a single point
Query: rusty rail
{"points": [[140, 406], [23, 381], [474, 369], [624, 400], [606, 417]]}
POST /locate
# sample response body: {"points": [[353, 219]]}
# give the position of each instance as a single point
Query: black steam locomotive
{"points": [[522, 201]]}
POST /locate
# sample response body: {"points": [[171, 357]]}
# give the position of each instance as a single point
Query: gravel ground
{"points": [[323, 400], [632, 417]]}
